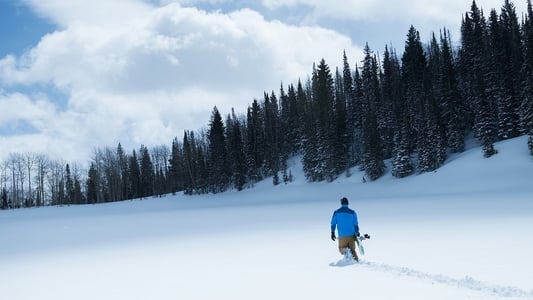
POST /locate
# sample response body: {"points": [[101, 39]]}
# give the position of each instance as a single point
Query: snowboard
{"points": [[359, 240]]}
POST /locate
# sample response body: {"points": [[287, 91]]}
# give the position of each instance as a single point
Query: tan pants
{"points": [[347, 242]]}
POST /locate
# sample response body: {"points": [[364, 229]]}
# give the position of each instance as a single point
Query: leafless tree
{"points": [[4, 170], [29, 160], [56, 182], [42, 169], [76, 172], [16, 164], [160, 156], [112, 174], [98, 160]]}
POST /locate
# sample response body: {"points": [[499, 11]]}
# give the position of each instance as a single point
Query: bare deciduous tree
{"points": [[42, 169], [29, 160]]}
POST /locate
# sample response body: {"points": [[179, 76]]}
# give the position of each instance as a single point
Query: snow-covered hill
{"points": [[462, 232]]}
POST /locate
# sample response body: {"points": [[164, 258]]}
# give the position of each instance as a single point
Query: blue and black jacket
{"points": [[345, 220]]}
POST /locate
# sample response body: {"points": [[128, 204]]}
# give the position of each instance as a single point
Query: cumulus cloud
{"points": [[18, 108], [389, 19], [138, 73], [68, 13], [33, 124], [440, 11]]}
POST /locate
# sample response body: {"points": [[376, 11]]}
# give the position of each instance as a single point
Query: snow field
{"points": [[463, 232]]}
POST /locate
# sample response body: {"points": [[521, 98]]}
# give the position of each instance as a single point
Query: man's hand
{"points": [[333, 237]]}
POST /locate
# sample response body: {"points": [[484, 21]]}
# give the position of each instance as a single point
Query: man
{"points": [[345, 221]]}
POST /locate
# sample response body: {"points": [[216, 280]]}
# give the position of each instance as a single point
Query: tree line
{"points": [[413, 110]]}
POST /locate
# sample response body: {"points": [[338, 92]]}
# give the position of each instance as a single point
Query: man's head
{"points": [[344, 201]]}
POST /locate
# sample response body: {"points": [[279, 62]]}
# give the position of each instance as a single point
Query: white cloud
{"points": [[17, 108], [147, 73], [383, 17], [436, 11], [33, 124], [68, 13]]}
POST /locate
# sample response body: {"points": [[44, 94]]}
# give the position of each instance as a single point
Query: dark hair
{"points": [[344, 201]]}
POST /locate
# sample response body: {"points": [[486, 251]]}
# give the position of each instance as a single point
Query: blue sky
{"points": [[77, 75], [20, 28]]}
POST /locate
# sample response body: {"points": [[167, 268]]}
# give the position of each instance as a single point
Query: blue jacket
{"points": [[345, 220]]}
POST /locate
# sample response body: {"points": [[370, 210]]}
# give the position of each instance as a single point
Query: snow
{"points": [[462, 232]]}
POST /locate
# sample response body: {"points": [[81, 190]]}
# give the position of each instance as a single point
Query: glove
{"points": [[333, 237]]}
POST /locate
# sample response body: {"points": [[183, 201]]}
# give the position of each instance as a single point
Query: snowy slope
{"points": [[462, 232]]}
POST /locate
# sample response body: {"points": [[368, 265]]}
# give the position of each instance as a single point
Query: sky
{"points": [[462, 232], [80, 75]]}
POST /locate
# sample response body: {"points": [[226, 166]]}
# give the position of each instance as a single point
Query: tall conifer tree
{"points": [[255, 142], [475, 63], [217, 154], [147, 175], [526, 107], [372, 151], [449, 97]]}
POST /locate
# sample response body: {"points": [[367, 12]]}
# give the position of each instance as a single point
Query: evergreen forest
{"points": [[413, 109]]}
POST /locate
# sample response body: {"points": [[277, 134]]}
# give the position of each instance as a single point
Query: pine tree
{"points": [[402, 164], [255, 142], [433, 147], [4, 204], [188, 164], [526, 107], [69, 185], [217, 154], [147, 176], [134, 177], [372, 156], [493, 69], [357, 118], [511, 60], [289, 129], [235, 151], [123, 167], [312, 160], [419, 100], [272, 134], [339, 139], [391, 102], [294, 121], [476, 77], [78, 194], [200, 147], [324, 112], [159, 185], [316, 160], [176, 165], [61, 195], [92, 185], [353, 115], [449, 97]]}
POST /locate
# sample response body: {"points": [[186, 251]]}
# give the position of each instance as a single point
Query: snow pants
{"points": [[347, 242]]}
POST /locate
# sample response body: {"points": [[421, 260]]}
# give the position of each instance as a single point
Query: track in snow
{"points": [[465, 283]]}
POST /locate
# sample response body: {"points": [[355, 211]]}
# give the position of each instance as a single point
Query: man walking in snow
{"points": [[344, 220]]}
